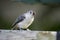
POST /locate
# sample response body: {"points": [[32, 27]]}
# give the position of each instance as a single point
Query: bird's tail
{"points": [[13, 28]]}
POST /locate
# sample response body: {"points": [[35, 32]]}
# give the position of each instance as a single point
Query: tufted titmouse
{"points": [[24, 21]]}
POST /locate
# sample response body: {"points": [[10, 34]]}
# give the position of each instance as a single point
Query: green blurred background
{"points": [[47, 13]]}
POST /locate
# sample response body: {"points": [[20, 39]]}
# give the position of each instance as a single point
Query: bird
{"points": [[24, 21]]}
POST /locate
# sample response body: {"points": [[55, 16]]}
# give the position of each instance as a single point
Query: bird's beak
{"points": [[33, 13]]}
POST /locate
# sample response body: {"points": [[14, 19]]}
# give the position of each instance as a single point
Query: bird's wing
{"points": [[19, 19]]}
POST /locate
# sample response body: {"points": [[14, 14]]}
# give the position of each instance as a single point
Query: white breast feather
{"points": [[26, 23]]}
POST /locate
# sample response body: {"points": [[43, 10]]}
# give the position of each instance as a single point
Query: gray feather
{"points": [[19, 19]]}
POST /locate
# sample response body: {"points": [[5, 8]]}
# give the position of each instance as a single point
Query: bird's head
{"points": [[31, 12]]}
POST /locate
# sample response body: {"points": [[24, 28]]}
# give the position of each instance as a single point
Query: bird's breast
{"points": [[26, 23]]}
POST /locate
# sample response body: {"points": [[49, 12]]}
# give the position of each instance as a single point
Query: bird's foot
{"points": [[28, 30]]}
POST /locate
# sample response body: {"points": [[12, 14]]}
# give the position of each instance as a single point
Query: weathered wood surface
{"points": [[27, 35]]}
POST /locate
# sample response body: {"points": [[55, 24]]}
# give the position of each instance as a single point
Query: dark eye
{"points": [[30, 12]]}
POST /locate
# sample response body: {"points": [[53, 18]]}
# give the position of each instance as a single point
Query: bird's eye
{"points": [[30, 12]]}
